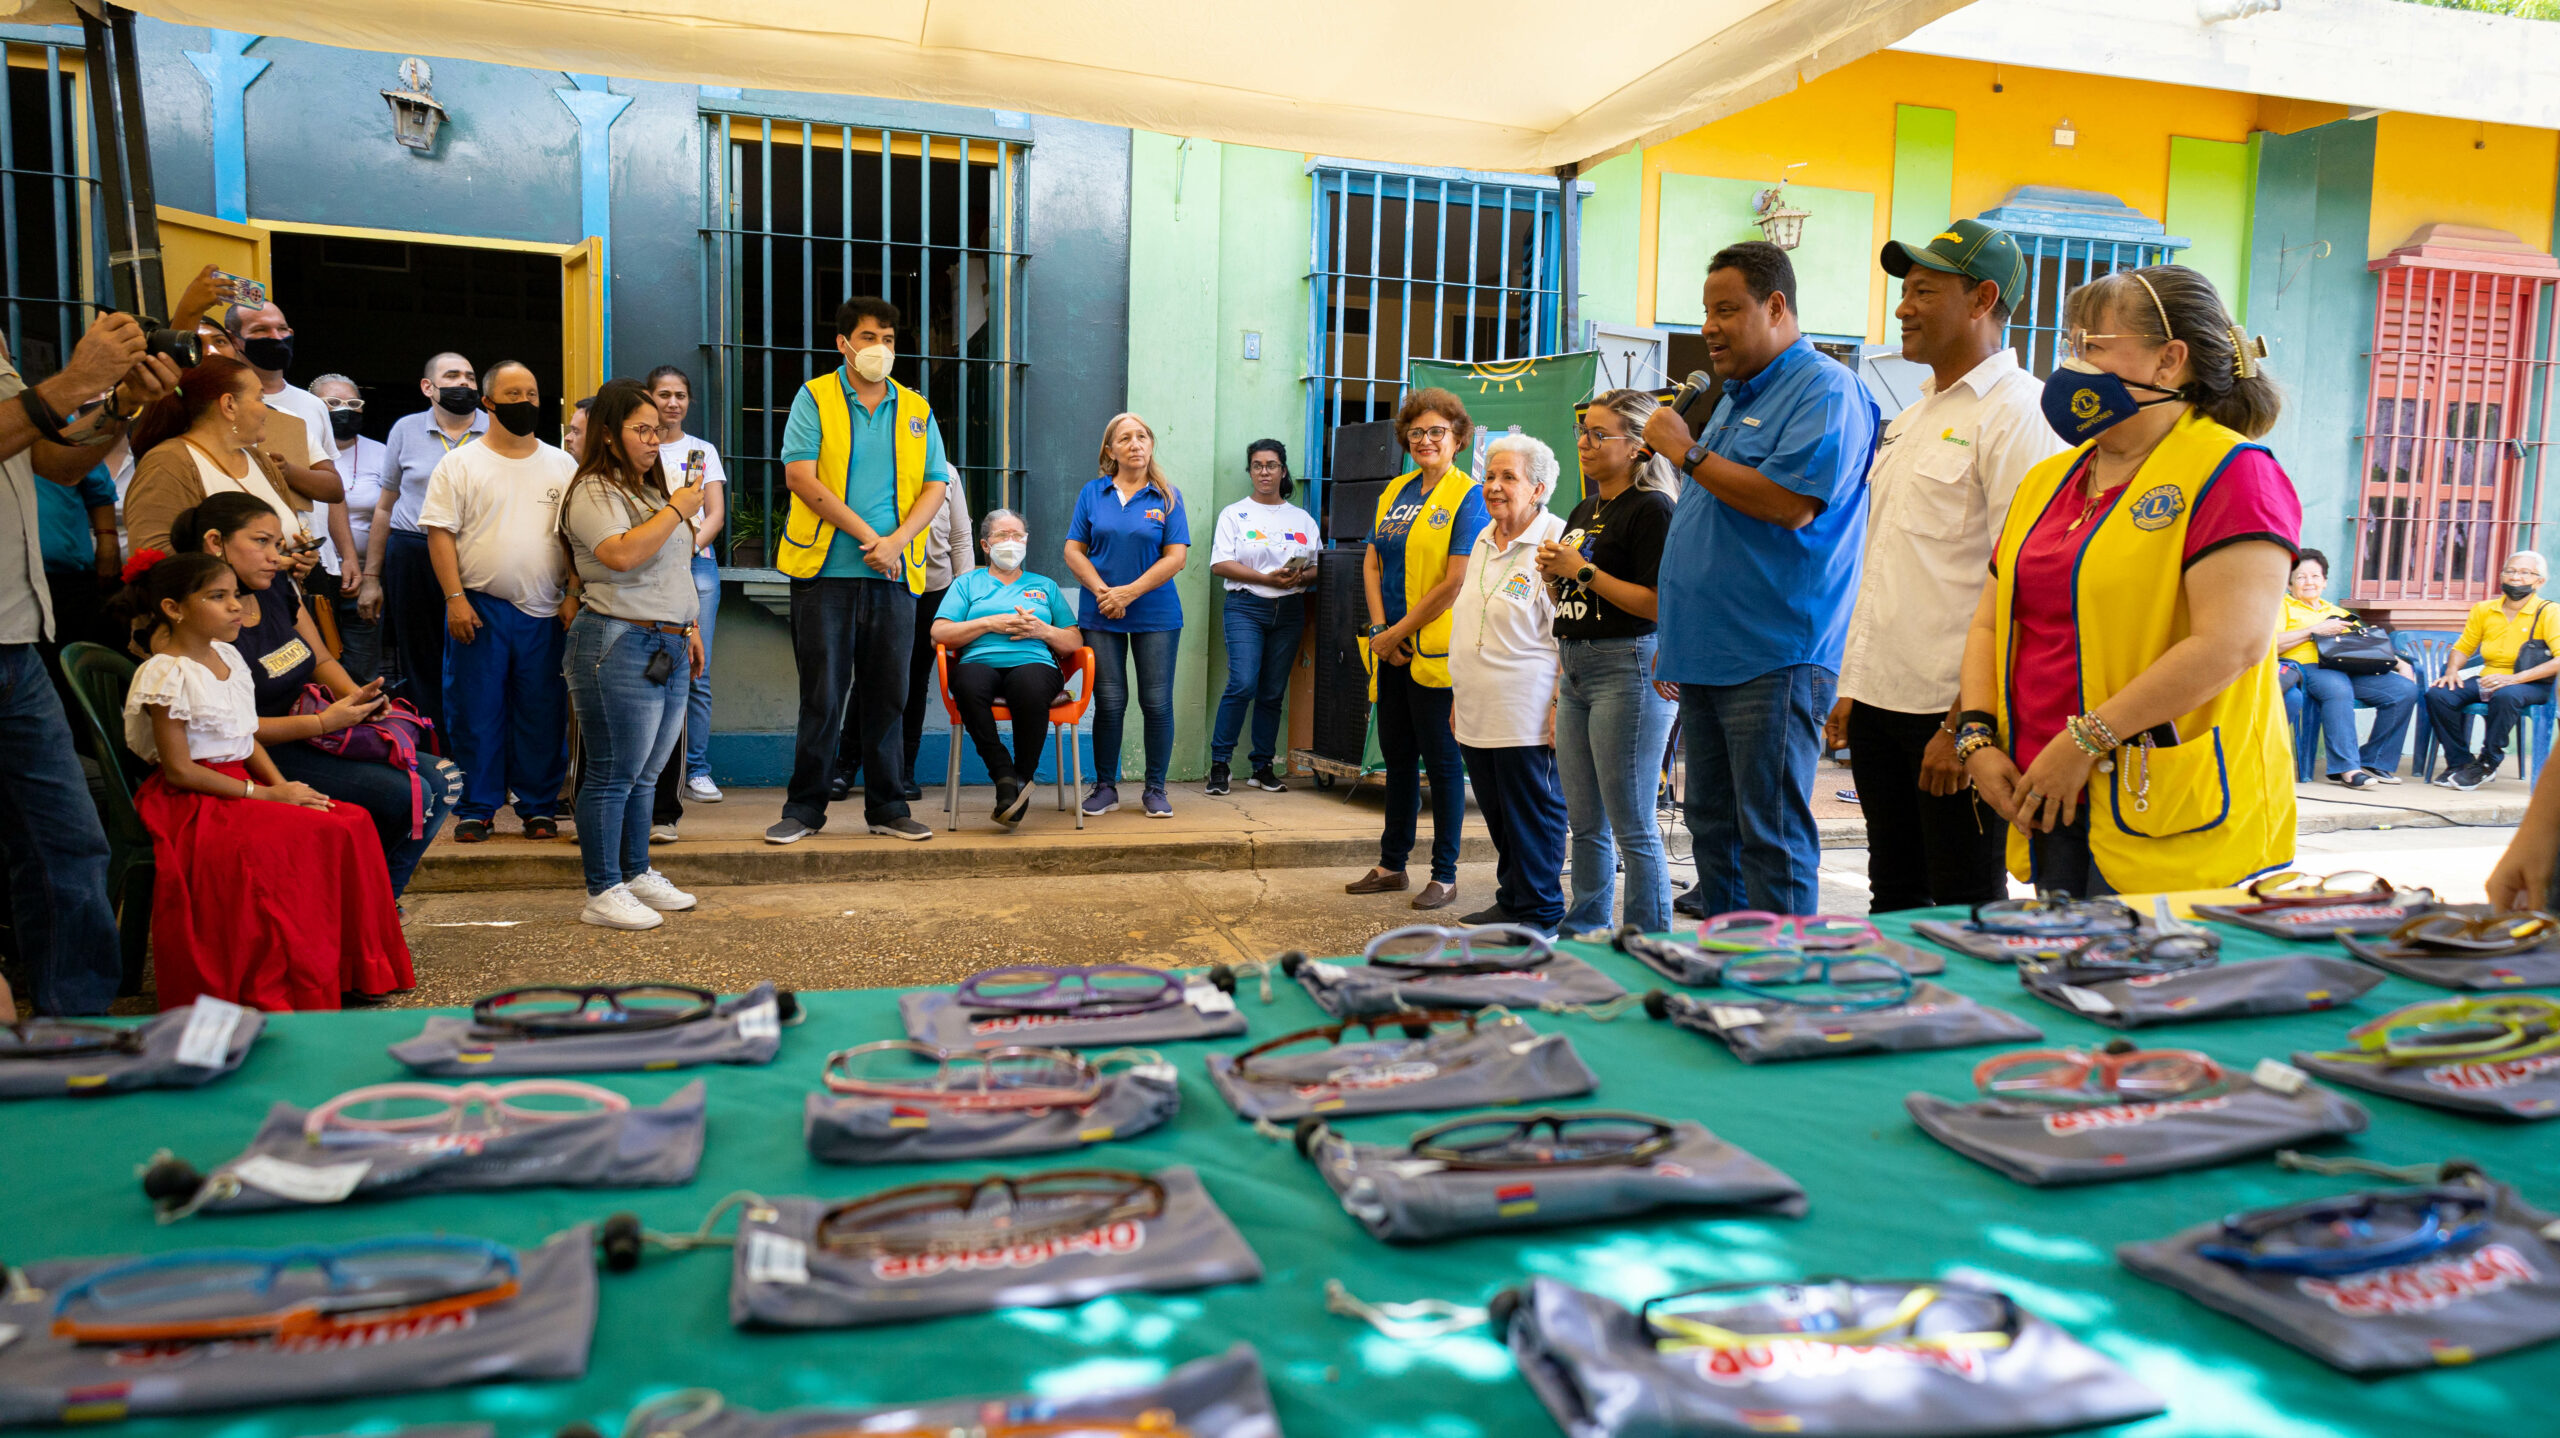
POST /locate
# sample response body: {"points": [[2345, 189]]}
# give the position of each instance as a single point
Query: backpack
{"points": [[395, 736]]}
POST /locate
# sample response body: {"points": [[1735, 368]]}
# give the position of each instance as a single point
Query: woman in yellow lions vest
{"points": [[1427, 520], [2122, 655]]}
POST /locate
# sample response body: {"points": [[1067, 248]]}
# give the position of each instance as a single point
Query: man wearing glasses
{"points": [[359, 459]]}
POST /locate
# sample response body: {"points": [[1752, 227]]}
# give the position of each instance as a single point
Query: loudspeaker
{"points": [[1351, 507], [1341, 680], [1367, 451]]}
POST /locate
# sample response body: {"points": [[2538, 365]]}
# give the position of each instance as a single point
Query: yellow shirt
{"points": [[2302, 614], [2495, 635]]}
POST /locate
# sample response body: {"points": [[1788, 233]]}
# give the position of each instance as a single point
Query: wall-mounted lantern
{"points": [[1781, 222], [415, 115]]}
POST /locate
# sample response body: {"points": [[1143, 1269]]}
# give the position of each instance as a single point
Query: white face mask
{"points": [[1008, 553], [872, 364]]}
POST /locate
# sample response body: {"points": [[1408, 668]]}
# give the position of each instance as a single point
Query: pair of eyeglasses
{"points": [[1546, 1138], [367, 1114], [213, 1294], [2291, 890], [1435, 433], [2123, 956], [1848, 984], [1752, 931], [993, 1081], [66, 1039], [1597, 436], [961, 1216], [1417, 1026], [2511, 1026], [2493, 936], [1099, 991], [354, 405], [1451, 953], [2356, 1233], [2055, 916], [2075, 343], [2118, 1073], [543, 1011], [1904, 1313]]}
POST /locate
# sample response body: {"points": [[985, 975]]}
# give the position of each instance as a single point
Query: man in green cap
{"points": [[1938, 493]]}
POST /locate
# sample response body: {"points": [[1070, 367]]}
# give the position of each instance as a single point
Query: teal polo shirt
{"points": [[871, 476]]}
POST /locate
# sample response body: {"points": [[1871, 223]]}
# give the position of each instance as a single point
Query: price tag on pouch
{"points": [[1326, 973], [1414, 1167], [320, 1183], [776, 1258], [760, 1021], [2279, 1076], [1208, 998], [1728, 1016], [206, 1041], [1158, 1073], [2087, 1001]]}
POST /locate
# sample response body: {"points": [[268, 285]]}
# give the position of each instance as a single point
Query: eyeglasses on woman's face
{"points": [[1428, 434]]}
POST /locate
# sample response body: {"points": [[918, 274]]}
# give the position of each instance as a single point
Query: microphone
{"points": [[1696, 400]]}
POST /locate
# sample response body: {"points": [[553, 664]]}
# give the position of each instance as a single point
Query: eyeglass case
{"points": [[1357, 990], [1494, 1063], [2049, 1145], [745, 1029], [2284, 984], [167, 1059], [1687, 964], [939, 1018], [852, 1128], [1759, 1032]]}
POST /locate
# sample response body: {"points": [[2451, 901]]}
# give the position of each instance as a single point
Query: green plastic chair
{"points": [[99, 678]]}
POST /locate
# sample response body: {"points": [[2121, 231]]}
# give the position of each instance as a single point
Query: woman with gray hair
{"points": [[2497, 632], [1006, 631], [1502, 670]]}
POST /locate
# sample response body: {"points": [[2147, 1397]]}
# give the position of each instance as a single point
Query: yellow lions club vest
{"points": [[2221, 799], [806, 537], [1426, 563]]}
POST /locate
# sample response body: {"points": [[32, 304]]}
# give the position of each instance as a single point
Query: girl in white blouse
{"points": [[265, 892]]}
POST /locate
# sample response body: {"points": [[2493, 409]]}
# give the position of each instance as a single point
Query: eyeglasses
{"points": [[308, 1291], [1754, 931], [66, 1039], [2055, 916], [2292, 890], [1928, 1315], [1452, 953], [687, 1409], [421, 1108], [2118, 1073], [1416, 1025], [1432, 434], [2512, 1026], [2075, 343], [1822, 981], [2119, 956], [1548, 1138], [2355, 1233], [997, 1080], [960, 1216], [354, 405], [1266, 466], [2491, 937], [552, 1011], [1597, 436], [1100, 991]]}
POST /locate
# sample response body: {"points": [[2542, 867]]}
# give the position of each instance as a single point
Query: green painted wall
{"points": [[1612, 225], [1218, 239], [1702, 214], [2317, 315], [1924, 171], [2209, 203]]}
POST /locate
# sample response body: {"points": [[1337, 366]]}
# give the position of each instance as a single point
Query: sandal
{"points": [[471, 831], [542, 826]]}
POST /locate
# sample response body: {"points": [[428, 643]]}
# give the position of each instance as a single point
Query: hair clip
{"points": [[2246, 351]]}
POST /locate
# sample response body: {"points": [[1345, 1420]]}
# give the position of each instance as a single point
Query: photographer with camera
{"points": [[1758, 570]]}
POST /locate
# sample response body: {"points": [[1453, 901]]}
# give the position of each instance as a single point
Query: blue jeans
{"points": [[2507, 708], [1516, 792], [1610, 729], [851, 640], [56, 849], [1262, 644], [697, 712], [1111, 655], [507, 712], [1752, 748], [2331, 698], [1414, 737], [629, 726]]}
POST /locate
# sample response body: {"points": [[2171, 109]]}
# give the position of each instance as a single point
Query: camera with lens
{"points": [[181, 346]]}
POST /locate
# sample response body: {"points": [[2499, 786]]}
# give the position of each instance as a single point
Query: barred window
{"points": [[2070, 237], [52, 231], [801, 216]]}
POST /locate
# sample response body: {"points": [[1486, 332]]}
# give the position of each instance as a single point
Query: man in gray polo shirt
{"points": [[399, 579], [49, 831]]}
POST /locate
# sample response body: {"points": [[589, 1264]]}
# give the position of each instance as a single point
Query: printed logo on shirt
{"points": [[1440, 519], [2158, 506], [1516, 587], [1156, 515], [284, 659], [1950, 436], [1399, 519], [915, 426]]}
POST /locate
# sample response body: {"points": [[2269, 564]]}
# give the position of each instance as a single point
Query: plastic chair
{"points": [[1065, 715], [2428, 654], [99, 678]]}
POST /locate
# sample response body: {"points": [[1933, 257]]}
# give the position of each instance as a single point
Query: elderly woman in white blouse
{"points": [[1503, 665]]}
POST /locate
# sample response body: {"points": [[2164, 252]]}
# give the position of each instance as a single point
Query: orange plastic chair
{"points": [[1064, 715]]}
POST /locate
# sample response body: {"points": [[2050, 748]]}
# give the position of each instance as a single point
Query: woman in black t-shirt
{"points": [[1610, 723]]}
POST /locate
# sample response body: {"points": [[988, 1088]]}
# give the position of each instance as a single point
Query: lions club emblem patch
{"points": [[2158, 506]]}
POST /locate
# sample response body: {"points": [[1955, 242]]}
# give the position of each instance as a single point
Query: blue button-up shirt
{"points": [[1740, 596]]}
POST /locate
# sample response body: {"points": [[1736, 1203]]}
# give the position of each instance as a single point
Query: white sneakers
{"points": [[701, 790], [641, 903]]}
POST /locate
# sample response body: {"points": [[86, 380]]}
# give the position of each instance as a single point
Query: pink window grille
{"points": [[2453, 448]]}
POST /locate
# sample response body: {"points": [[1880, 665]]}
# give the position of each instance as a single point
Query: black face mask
{"points": [[458, 398], [518, 416], [2518, 591], [346, 424], [267, 352]]}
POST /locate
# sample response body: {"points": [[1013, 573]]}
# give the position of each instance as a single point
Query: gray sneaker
{"points": [[902, 829], [1158, 806], [1103, 799], [787, 831], [2470, 776]]}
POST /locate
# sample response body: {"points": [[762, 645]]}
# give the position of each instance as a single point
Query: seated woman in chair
{"points": [[2497, 631], [1006, 631], [2330, 696]]}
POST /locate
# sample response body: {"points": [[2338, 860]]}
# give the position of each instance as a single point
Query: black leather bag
{"points": [[2535, 650], [2362, 649]]}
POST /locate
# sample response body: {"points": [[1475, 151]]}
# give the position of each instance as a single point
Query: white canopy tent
{"points": [[1523, 85]]}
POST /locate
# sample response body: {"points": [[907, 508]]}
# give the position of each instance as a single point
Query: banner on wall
{"points": [[1521, 396]]}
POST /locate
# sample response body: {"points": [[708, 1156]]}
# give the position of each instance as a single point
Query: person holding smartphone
{"points": [[1265, 551]]}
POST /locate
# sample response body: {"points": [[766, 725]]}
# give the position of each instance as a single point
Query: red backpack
{"points": [[395, 736]]}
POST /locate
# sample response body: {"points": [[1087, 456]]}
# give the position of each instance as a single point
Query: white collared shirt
{"points": [[1938, 495], [1502, 644]]}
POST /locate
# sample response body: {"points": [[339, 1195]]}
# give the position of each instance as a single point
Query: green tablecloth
{"points": [[1887, 1201]]}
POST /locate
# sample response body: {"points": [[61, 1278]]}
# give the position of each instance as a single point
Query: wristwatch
{"points": [[1689, 461], [1583, 575]]}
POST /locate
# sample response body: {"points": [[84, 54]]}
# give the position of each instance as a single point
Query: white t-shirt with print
{"points": [[672, 458], [221, 715], [1502, 645], [1262, 536], [504, 515]]}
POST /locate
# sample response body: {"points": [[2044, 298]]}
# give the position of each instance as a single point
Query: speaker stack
{"points": [[1365, 458]]}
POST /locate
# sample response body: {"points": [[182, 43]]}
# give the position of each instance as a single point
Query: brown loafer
{"points": [[1436, 895], [1377, 881]]}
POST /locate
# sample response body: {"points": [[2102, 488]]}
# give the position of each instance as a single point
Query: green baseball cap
{"points": [[1969, 248]]}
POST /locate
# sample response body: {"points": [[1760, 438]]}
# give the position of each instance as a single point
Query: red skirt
{"points": [[270, 905]]}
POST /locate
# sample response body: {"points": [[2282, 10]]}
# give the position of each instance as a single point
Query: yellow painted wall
{"points": [[1842, 126], [2427, 170]]}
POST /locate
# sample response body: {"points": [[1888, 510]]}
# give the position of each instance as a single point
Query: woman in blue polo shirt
{"points": [[1006, 631], [1128, 539]]}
